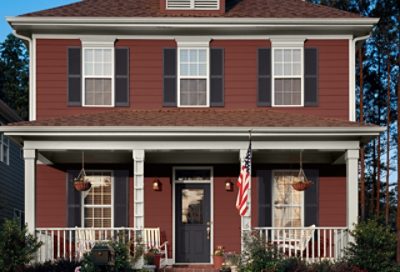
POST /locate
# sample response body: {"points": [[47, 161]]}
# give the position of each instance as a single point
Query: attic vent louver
{"points": [[193, 4]]}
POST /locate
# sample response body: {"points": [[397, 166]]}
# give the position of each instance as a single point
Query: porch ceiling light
{"points": [[228, 185], [157, 185]]}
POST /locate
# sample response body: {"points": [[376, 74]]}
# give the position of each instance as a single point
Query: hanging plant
{"points": [[81, 184], [302, 183]]}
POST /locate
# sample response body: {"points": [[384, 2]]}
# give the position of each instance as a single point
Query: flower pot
{"points": [[218, 261], [81, 185], [301, 186], [157, 260]]}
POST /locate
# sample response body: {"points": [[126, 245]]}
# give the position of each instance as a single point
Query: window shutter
{"points": [[74, 201], [264, 77], [121, 198], [311, 199], [74, 77], [121, 77], [170, 78], [264, 198], [217, 77], [310, 77]]}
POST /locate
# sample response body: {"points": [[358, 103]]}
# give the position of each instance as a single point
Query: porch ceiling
{"points": [[190, 157]]}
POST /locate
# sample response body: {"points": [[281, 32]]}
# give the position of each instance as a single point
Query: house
{"points": [[157, 100], [11, 171]]}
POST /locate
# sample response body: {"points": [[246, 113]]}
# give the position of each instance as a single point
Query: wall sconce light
{"points": [[156, 185], [228, 185]]}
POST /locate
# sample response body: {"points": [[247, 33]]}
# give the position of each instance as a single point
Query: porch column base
{"points": [[30, 185]]}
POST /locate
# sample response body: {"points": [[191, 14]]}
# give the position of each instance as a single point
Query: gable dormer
{"points": [[192, 7]]}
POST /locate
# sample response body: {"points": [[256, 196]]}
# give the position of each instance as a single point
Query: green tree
{"points": [[14, 75]]}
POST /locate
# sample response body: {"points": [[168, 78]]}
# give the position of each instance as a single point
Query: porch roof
{"points": [[256, 118]]}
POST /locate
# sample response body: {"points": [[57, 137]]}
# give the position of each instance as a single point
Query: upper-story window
{"points": [[98, 77], [193, 77], [192, 4], [4, 149], [287, 77]]}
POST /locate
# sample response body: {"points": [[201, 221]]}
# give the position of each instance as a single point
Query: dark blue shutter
{"points": [[170, 77], [217, 77], [121, 77], [264, 77], [311, 199], [74, 76], [264, 198], [121, 198], [310, 77], [74, 201]]}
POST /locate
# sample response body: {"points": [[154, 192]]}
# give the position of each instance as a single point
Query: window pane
{"points": [[203, 69], [278, 69], [203, 55], [184, 69], [193, 92], [192, 202], [289, 89], [193, 55], [297, 69], [287, 55], [278, 55], [184, 55], [89, 55], [296, 55], [98, 91]]}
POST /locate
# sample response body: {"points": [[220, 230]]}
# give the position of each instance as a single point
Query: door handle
{"points": [[208, 230]]}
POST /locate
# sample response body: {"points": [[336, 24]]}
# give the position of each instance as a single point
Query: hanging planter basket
{"points": [[80, 182], [302, 183]]}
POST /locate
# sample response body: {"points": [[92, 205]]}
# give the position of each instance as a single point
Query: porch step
{"points": [[189, 268]]}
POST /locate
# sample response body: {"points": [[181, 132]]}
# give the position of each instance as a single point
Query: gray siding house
{"points": [[11, 171]]}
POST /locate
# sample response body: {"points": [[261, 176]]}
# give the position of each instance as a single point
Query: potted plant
{"points": [[152, 259], [218, 257]]}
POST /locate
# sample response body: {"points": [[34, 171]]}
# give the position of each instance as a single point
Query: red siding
{"points": [[147, 85], [332, 197], [51, 197]]}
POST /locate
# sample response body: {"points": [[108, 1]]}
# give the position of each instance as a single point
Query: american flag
{"points": [[243, 183]]}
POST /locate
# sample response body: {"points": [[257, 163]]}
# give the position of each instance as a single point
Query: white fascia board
{"points": [[190, 131]]}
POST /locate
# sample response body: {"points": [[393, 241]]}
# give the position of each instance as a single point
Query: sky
{"points": [[18, 7]]}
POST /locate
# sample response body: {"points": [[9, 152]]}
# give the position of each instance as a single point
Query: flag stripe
{"points": [[243, 184]]}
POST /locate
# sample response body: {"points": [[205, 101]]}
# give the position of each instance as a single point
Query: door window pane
{"points": [[192, 206]]}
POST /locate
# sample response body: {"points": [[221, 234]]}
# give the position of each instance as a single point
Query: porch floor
{"points": [[190, 268]]}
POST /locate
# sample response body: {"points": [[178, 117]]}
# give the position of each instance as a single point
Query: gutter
{"points": [[32, 76]]}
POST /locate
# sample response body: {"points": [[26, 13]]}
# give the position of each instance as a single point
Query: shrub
{"points": [[17, 247], [374, 247], [58, 266], [292, 265], [258, 255]]}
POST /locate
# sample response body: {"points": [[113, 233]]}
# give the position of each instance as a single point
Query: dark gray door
{"points": [[192, 223]]}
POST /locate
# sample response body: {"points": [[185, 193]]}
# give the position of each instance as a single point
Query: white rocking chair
{"points": [[152, 239], [299, 243], [85, 239]]}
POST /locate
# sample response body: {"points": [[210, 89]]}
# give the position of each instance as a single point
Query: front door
{"points": [[192, 223]]}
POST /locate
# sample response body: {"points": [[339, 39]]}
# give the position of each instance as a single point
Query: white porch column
{"points": [[30, 184], [138, 188], [245, 220], [352, 187]]}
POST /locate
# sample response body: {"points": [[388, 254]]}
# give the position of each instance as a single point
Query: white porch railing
{"points": [[72, 243], [309, 243]]}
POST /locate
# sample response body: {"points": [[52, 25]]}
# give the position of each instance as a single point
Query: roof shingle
{"points": [[235, 8], [193, 118]]}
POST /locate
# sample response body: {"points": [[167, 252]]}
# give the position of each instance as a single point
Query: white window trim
{"points": [[287, 42], [99, 206], [112, 77], [207, 77], [273, 197], [3, 140]]}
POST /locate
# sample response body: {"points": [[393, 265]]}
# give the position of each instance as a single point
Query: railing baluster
{"points": [[58, 244], [330, 242], [319, 242], [313, 246], [64, 240], [70, 243], [324, 243]]}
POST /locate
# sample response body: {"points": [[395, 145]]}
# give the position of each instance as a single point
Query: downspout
{"points": [[352, 77], [32, 89]]}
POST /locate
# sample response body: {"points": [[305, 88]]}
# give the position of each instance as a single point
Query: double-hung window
{"points": [[287, 203], [98, 79], [193, 77], [4, 149], [287, 67], [97, 202]]}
